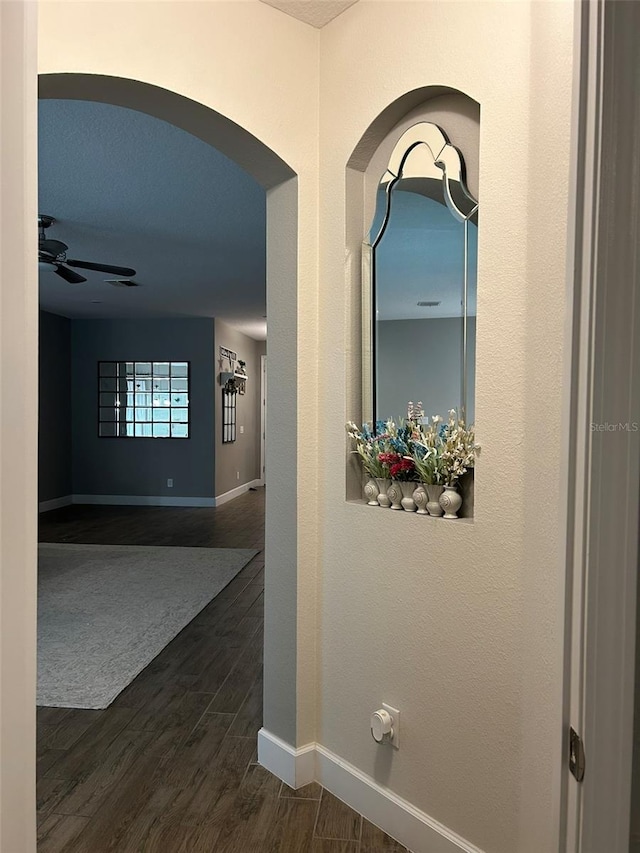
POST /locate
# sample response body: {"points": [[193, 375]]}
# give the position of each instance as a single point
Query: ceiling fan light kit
{"points": [[54, 253]]}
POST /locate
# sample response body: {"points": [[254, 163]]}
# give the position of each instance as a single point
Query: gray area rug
{"points": [[105, 611]]}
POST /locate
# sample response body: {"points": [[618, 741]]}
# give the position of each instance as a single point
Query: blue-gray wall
{"points": [[118, 466], [422, 362], [54, 447]]}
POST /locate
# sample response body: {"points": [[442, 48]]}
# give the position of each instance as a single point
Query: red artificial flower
{"points": [[403, 466]]}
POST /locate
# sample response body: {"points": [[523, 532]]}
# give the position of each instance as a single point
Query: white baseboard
{"points": [[235, 493], [296, 767], [55, 503], [141, 500], [413, 828], [400, 819], [147, 500]]}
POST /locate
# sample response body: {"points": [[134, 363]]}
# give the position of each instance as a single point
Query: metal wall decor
{"points": [[143, 399], [419, 263], [229, 398]]}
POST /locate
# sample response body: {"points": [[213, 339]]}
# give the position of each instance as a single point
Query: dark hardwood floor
{"points": [[170, 766]]}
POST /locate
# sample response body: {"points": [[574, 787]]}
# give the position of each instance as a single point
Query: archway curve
{"points": [[401, 109], [201, 121]]}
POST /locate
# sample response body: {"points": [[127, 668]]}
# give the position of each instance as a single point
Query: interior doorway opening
{"points": [[229, 632]]}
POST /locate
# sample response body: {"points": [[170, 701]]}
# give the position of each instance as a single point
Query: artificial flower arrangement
{"points": [[431, 452]]}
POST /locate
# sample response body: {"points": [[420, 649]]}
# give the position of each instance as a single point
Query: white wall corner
{"points": [[396, 816], [401, 820], [55, 503], [235, 493], [296, 767]]}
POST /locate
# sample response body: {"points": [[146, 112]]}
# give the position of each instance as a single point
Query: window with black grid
{"points": [[143, 399]]}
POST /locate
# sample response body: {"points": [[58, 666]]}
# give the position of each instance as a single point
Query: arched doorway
{"points": [[280, 182]]}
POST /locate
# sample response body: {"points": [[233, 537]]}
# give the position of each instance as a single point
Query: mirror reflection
{"points": [[423, 277]]}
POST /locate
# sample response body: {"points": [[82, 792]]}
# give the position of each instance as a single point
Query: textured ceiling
{"points": [[132, 190], [317, 13]]}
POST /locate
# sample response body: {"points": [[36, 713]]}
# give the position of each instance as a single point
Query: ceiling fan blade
{"points": [[126, 272], [68, 275]]}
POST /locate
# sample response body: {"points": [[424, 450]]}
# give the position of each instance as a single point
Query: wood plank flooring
{"points": [[171, 765]]}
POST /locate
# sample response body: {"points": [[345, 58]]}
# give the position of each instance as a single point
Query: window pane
{"points": [[143, 399], [108, 414], [181, 415]]}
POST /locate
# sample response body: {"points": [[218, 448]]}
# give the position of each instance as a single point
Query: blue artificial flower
{"points": [[399, 445]]}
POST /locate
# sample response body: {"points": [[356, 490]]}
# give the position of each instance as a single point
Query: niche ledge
{"points": [[356, 482], [361, 504]]}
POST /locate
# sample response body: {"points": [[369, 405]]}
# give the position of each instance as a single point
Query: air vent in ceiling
{"points": [[120, 282], [428, 304]]}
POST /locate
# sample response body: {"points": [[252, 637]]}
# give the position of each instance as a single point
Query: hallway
{"points": [[171, 765]]}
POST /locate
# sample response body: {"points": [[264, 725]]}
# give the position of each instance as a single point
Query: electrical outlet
{"points": [[237, 475], [241, 430], [395, 740], [169, 483]]}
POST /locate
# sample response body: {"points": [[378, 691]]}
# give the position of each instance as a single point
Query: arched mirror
{"points": [[419, 277]]}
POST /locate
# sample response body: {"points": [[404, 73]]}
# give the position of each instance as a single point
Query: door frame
{"points": [[263, 418], [604, 441]]}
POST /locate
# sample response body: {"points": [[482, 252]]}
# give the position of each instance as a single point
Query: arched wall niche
{"points": [[281, 184], [458, 115]]}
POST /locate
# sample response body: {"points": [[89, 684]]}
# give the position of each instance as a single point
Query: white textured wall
{"points": [[458, 625]]}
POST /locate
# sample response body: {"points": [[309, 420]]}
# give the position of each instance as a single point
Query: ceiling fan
{"points": [[54, 252]]}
